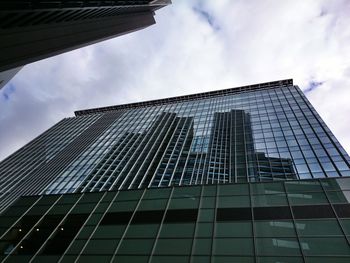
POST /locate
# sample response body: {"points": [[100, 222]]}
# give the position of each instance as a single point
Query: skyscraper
{"points": [[248, 174], [32, 30]]}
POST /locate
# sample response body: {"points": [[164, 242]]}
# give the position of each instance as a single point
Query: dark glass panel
{"points": [[148, 217], [233, 214], [116, 218], [312, 211], [181, 215], [271, 213]]}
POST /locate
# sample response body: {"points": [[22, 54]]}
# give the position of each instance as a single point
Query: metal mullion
{"points": [[222, 142], [161, 225], [120, 129], [165, 152], [294, 223], [208, 156], [138, 158], [347, 237], [198, 155], [180, 154], [326, 133], [31, 230], [191, 145], [60, 179], [77, 134], [163, 140], [282, 131], [226, 144], [62, 221], [104, 130], [127, 227], [20, 217], [134, 142], [104, 133], [177, 141], [217, 155], [172, 151], [152, 110], [213, 238], [213, 151], [28, 148]]}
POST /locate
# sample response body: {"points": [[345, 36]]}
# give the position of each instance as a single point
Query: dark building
{"points": [[31, 30], [248, 174]]}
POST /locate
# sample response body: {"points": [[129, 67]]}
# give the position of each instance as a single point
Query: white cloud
{"points": [[257, 41]]}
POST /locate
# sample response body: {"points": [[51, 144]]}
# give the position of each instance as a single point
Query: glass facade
{"points": [[259, 133], [249, 174], [287, 221]]}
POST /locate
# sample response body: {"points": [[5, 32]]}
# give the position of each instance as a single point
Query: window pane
{"points": [[233, 246], [325, 246], [318, 227], [173, 247], [269, 200], [277, 246], [234, 201], [236, 229], [283, 228], [307, 198]]}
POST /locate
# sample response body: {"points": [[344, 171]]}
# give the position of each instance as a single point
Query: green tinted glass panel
{"points": [[200, 259], [277, 246], [339, 197], [325, 246], [142, 231], [156, 204], [336, 184], [327, 227], [109, 231], [76, 246], [129, 195], [47, 200], [233, 246], [94, 219], [267, 188], [307, 198], [60, 209], [15, 211], [232, 259], [280, 228], [209, 190], [194, 191], [157, 193], [236, 229], [233, 189], [83, 208], [234, 201], [269, 200], [42, 209], [130, 259], [208, 202], [91, 198], [183, 203], [173, 247], [102, 207], [136, 246], [85, 232], [93, 259], [170, 259], [206, 215], [204, 230], [303, 186], [123, 206], [177, 230], [329, 259], [109, 196], [202, 246], [100, 246], [68, 199], [280, 260], [346, 225], [26, 200]]}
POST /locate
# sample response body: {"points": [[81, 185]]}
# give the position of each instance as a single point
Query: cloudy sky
{"points": [[195, 46]]}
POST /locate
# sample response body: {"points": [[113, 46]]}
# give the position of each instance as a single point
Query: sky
{"points": [[195, 46]]}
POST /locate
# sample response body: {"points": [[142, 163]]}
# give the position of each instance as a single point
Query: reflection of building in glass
{"points": [[211, 177]]}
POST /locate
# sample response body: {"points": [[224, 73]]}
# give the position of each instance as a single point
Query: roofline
{"points": [[209, 94]]}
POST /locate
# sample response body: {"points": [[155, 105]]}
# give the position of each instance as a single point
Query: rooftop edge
{"points": [[208, 94]]}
